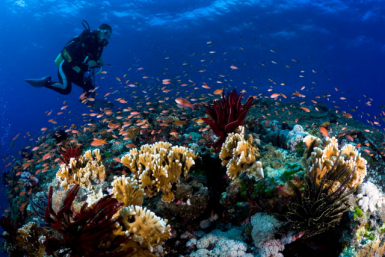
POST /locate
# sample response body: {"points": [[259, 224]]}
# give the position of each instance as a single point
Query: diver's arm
{"points": [[88, 56]]}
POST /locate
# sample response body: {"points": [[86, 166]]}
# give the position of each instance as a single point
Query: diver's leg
{"points": [[84, 81], [88, 87], [89, 97], [63, 87]]}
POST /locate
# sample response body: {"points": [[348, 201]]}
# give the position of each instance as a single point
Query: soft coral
{"points": [[87, 233], [226, 115]]}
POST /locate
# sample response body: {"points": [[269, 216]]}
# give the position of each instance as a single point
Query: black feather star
{"points": [[321, 205]]}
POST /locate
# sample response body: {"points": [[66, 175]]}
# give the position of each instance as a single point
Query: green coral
{"points": [[265, 188], [300, 148], [107, 155], [349, 252], [382, 229], [358, 213], [290, 170], [243, 191]]}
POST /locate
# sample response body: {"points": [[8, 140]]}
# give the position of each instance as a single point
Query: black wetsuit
{"points": [[81, 49]]}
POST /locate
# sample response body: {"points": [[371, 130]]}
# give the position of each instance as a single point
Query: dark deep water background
{"points": [[342, 41]]}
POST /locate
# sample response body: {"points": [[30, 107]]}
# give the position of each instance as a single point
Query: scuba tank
{"points": [[64, 54]]}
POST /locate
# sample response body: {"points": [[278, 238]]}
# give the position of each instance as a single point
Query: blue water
{"points": [[342, 41]]}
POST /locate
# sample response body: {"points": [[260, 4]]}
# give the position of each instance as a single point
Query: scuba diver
{"points": [[76, 63]]}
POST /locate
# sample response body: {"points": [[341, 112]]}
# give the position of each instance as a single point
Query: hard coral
{"points": [[158, 167], [127, 191], [226, 115], [90, 232], [146, 229], [85, 171], [240, 155]]}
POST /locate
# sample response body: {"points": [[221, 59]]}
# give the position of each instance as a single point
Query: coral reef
{"points": [[38, 203], [162, 199], [239, 155], [226, 115], [26, 241], [158, 167]]}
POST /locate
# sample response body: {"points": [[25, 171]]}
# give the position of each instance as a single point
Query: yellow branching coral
{"points": [[322, 161], [126, 190], [310, 142], [82, 171], [159, 166], [147, 229], [240, 155]]}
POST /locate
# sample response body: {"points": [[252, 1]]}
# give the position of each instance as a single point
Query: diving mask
{"points": [[106, 34]]}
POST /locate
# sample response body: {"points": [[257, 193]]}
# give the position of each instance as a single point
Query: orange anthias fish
{"points": [[347, 115], [98, 142], [324, 131], [183, 103], [218, 91], [46, 156]]}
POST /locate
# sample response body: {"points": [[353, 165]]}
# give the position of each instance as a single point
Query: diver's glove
{"points": [[92, 64], [100, 63]]}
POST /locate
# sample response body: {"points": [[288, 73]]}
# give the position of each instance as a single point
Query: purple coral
{"points": [[87, 233], [226, 115]]}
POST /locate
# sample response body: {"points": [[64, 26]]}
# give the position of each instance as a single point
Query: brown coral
{"points": [[31, 240]]}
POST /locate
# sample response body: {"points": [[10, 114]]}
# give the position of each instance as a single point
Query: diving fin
{"points": [[39, 82]]}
